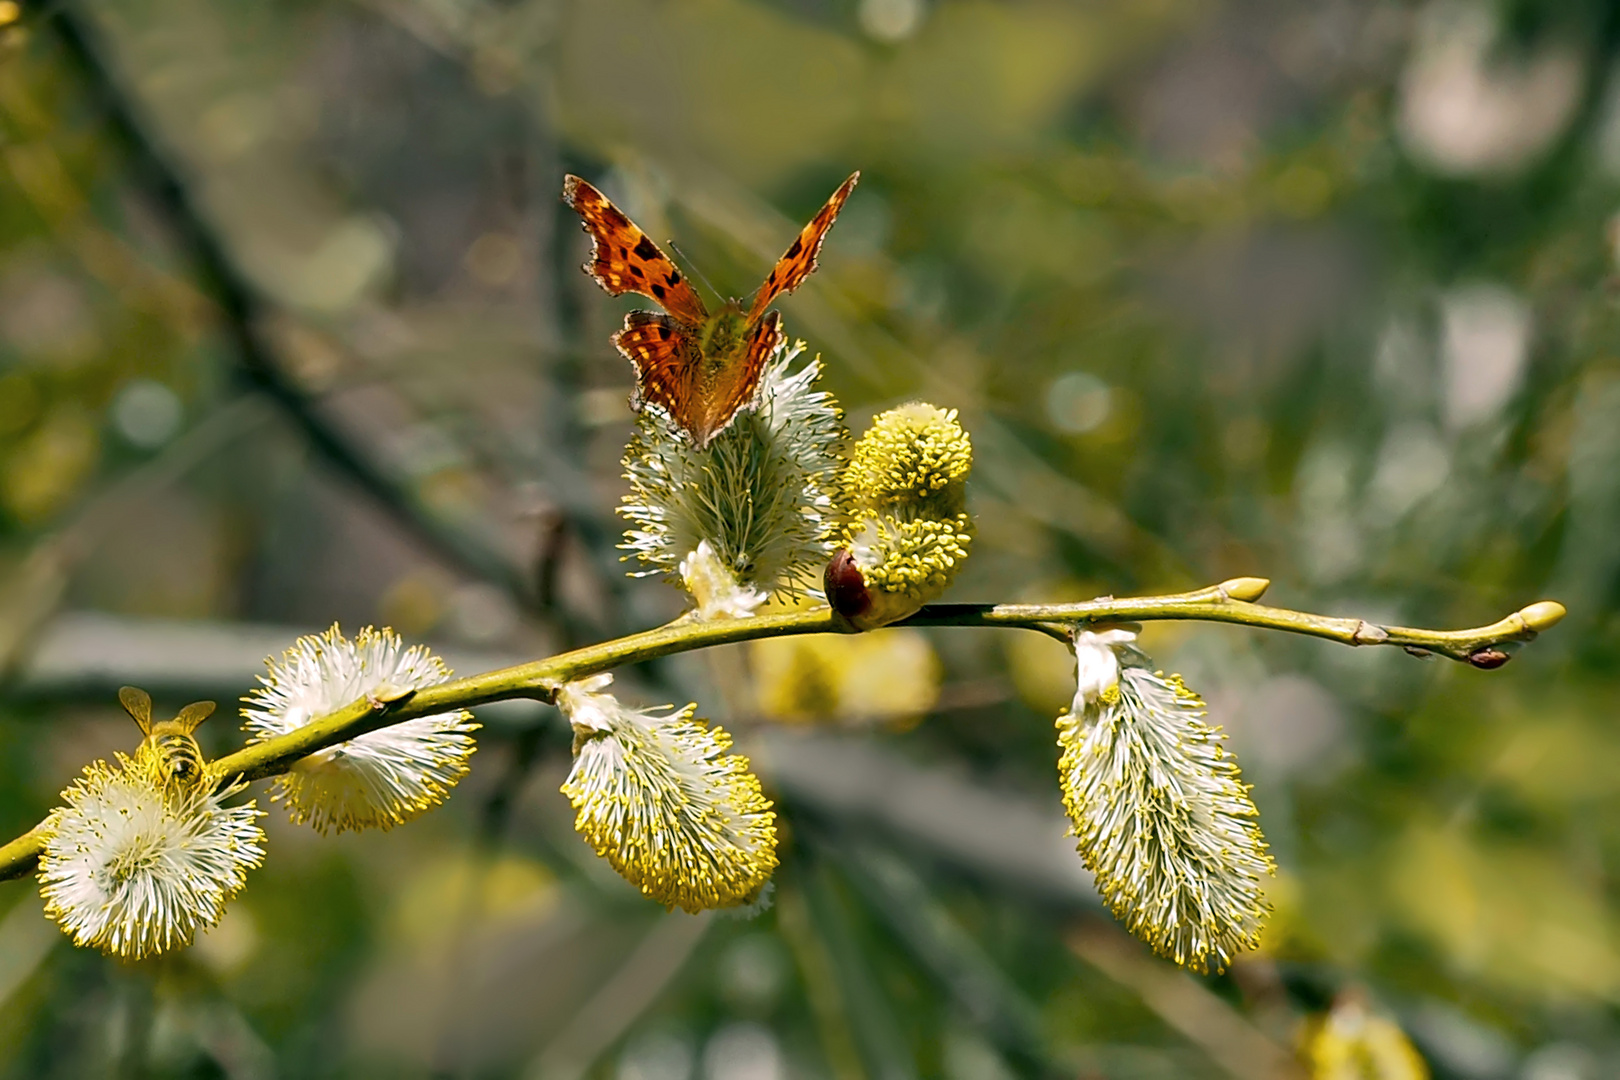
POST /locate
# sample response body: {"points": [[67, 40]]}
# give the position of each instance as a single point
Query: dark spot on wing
{"points": [[646, 248], [797, 247], [663, 333], [636, 270], [674, 278], [658, 291]]}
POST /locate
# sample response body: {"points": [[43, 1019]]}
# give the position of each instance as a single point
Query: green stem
{"points": [[1230, 602]]}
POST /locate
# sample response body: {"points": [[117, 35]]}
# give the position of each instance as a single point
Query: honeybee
{"points": [[178, 754]]}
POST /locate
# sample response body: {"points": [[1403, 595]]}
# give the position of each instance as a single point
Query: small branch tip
{"points": [[1543, 614], [1247, 589]]}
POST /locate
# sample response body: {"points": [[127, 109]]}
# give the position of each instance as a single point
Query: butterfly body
{"points": [[700, 367], [724, 338], [170, 742]]}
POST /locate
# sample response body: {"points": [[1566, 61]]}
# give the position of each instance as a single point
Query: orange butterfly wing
{"points": [[701, 398], [625, 259], [735, 385], [793, 267], [701, 395], [667, 363]]}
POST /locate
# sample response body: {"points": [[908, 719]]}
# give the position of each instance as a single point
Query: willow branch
{"points": [[1228, 602]]}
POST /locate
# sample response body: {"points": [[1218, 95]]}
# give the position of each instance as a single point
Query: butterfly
{"points": [[698, 366]]}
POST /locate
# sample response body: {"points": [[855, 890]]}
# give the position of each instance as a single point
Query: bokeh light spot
{"points": [[891, 20], [146, 413], [1078, 402]]}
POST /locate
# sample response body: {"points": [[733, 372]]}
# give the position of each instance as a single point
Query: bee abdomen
{"points": [[180, 755]]}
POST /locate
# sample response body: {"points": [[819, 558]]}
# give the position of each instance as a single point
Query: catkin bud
{"points": [[909, 531], [1354, 1040]]}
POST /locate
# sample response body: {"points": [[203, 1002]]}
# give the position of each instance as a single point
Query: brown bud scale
{"points": [[846, 587]]}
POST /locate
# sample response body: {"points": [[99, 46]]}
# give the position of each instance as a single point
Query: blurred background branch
{"points": [[242, 312]]}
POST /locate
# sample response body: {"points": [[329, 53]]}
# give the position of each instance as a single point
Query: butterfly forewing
{"points": [[800, 259], [625, 259]]}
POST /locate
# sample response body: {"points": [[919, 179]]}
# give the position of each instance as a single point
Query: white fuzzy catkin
{"points": [[377, 780], [1160, 811], [659, 798], [760, 495], [134, 864]]}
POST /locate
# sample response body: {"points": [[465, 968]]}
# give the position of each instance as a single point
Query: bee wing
{"points": [[194, 714], [138, 703]]}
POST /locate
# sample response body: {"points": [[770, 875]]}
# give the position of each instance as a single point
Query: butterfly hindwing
{"points": [[667, 363], [734, 386], [794, 266], [625, 259]]}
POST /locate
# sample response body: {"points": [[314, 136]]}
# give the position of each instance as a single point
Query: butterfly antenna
{"points": [[694, 272]]}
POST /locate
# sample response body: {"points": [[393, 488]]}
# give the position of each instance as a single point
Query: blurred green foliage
{"points": [[1324, 292]]}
